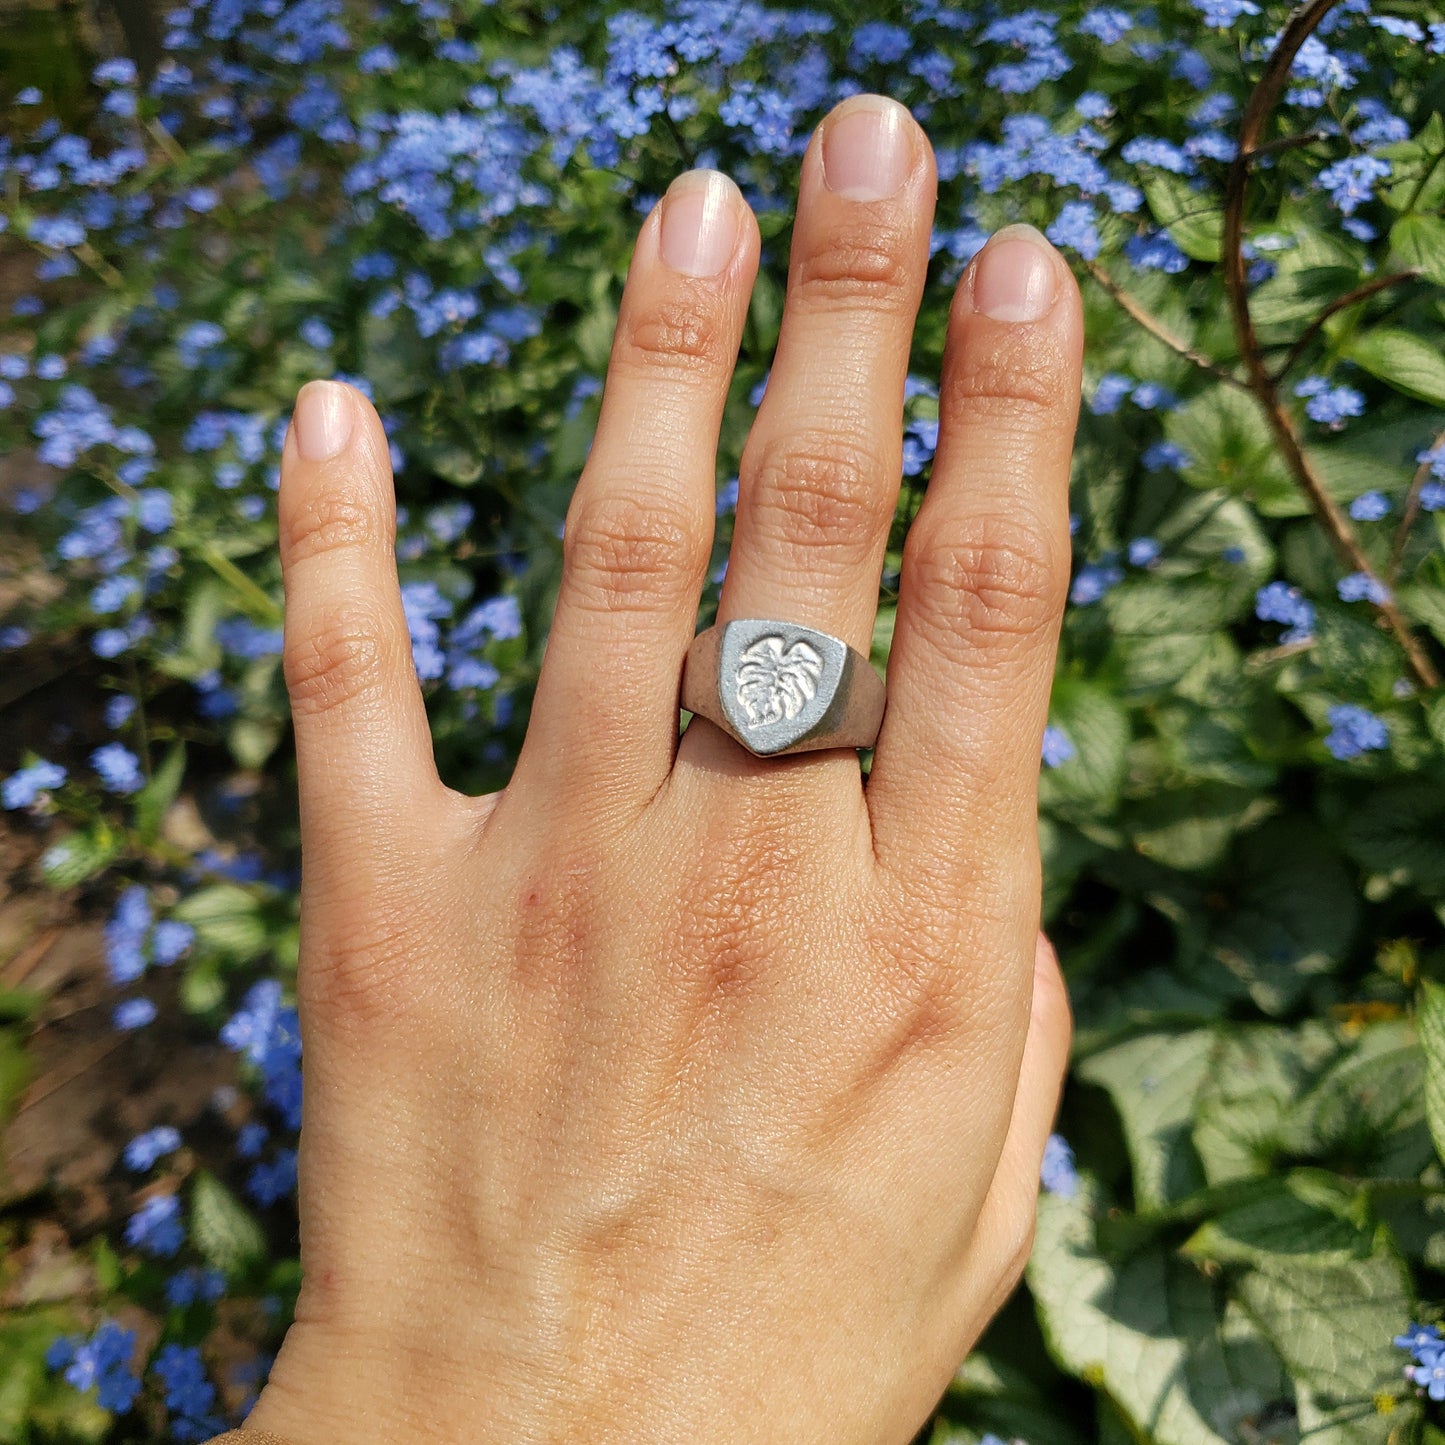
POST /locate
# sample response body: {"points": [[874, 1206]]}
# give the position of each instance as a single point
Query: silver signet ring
{"points": [[779, 688]]}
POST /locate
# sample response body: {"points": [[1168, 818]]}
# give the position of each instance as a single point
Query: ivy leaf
{"points": [[225, 1231], [1430, 1024], [1401, 360]]}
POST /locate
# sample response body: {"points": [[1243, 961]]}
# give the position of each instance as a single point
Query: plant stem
{"points": [[1412, 510], [1263, 386], [1158, 330], [1341, 303]]}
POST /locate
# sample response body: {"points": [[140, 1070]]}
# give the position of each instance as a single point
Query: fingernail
{"points": [[865, 148], [700, 216], [1015, 277], [322, 420]]}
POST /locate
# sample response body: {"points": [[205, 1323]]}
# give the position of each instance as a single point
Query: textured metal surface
{"points": [[780, 688]]}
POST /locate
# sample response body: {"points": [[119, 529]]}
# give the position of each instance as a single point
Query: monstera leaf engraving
{"points": [[776, 683]]}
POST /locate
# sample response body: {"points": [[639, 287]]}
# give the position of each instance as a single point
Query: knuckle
{"points": [[856, 266], [670, 336], [324, 520], [816, 489], [630, 554], [986, 581], [372, 977], [331, 665], [1017, 383]]}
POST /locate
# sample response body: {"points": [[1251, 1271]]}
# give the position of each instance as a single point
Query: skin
{"points": [[673, 1093]]}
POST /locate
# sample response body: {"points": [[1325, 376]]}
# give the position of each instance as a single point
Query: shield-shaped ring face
{"points": [[776, 681]]}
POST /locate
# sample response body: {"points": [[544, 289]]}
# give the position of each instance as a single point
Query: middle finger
{"points": [[819, 475]]}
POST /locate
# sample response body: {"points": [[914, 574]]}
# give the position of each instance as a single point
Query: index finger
{"points": [[953, 793]]}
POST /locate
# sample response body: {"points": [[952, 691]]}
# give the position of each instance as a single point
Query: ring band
{"points": [[780, 688]]}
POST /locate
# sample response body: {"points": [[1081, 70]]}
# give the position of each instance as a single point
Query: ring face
{"points": [[776, 681]]}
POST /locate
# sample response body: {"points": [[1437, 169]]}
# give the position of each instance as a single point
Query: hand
{"points": [[672, 1093]]}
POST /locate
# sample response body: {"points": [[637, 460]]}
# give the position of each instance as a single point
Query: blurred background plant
{"points": [[1243, 782]]}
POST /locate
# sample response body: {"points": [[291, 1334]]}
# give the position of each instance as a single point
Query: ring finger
{"points": [[819, 476]]}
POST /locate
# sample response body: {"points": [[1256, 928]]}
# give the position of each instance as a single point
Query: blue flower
{"points": [[1420, 1340], [188, 1285], [190, 1396], [156, 1227], [1074, 227], [1107, 26], [1110, 393], [26, 785], [118, 767], [1351, 182], [170, 939], [1221, 14], [1329, 405], [101, 1363], [250, 1139], [1156, 252], [143, 1151], [133, 1013], [1370, 507], [1362, 587], [1162, 456], [1432, 497], [1430, 1375], [269, 1182], [1092, 581], [1143, 551], [1281, 602], [1057, 749], [1058, 1174], [1355, 730], [878, 42]]}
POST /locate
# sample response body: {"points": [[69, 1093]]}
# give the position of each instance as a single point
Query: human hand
{"points": [[673, 1093]]}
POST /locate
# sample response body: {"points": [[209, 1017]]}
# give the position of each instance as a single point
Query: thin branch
{"points": [[1158, 330], [1340, 303], [1289, 143], [1412, 509], [1261, 383]]}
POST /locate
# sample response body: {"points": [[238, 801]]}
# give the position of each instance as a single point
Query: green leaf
{"points": [[1330, 1321], [1194, 219], [1418, 242], [1151, 1331], [1401, 360], [1230, 446], [1154, 1080], [1430, 1024], [1190, 828], [225, 1231], [1292, 912], [156, 797], [1366, 1113], [81, 855], [1398, 831], [1098, 727], [1258, 1073], [226, 917], [253, 740], [1307, 1212]]}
